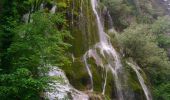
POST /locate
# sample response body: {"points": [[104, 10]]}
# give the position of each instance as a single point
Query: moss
{"points": [[78, 48], [109, 85], [77, 75], [97, 80]]}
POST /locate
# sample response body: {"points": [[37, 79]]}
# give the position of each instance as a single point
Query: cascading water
{"points": [[107, 53], [104, 55], [141, 80]]}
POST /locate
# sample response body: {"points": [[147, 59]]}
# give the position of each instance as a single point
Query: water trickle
{"points": [[141, 80], [111, 28], [88, 70], [110, 20], [42, 6], [73, 58], [53, 10], [26, 17], [72, 12], [105, 82], [81, 8]]}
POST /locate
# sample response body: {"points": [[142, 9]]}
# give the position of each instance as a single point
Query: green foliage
{"points": [[119, 11], [20, 84], [42, 42], [9, 20], [35, 45], [26, 49], [62, 5], [163, 40], [162, 92], [142, 45], [161, 25], [160, 28]]}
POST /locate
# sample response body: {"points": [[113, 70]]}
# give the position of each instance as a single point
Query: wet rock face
{"points": [[61, 88], [165, 4]]}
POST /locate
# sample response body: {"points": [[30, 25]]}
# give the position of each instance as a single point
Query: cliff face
{"points": [[164, 4], [91, 58]]}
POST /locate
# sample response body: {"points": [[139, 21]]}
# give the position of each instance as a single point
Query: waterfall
{"points": [[102, 34], [141, 80], [107, 53], [104, 56]]}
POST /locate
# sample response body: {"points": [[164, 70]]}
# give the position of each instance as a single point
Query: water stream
{"points": [[141, 80]]}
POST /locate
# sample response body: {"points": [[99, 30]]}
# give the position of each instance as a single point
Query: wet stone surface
{"points": [[165, 4]]}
